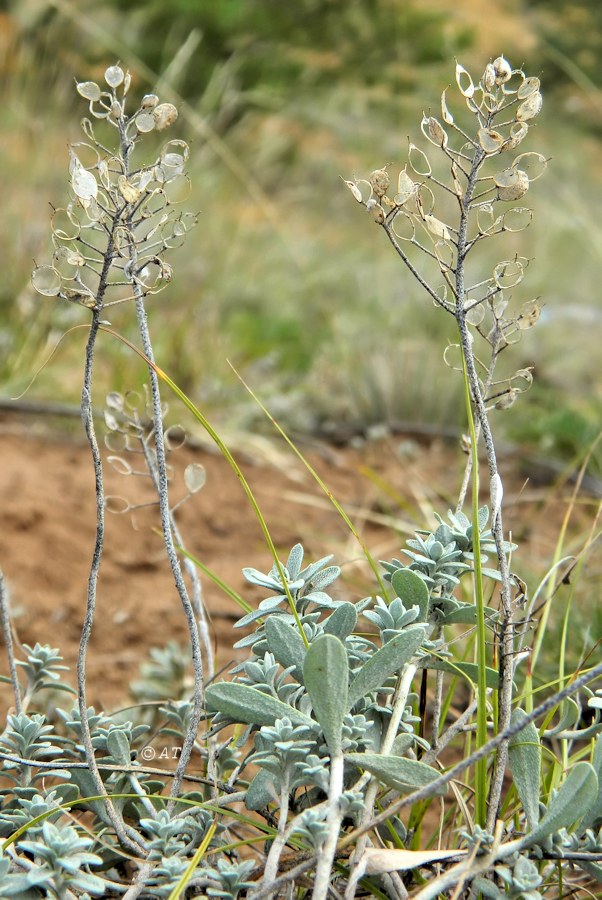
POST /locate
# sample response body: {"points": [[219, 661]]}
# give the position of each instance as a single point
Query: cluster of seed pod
{"points": [[111, 238], [503, 102]]}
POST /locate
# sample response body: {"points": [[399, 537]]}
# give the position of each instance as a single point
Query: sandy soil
{"points": [[47, 530]]}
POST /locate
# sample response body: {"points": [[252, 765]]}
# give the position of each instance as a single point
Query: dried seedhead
{"points": [[111, 239]]}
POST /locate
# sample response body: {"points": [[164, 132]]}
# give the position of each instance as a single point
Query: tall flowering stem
{"points": [[479, 198]]}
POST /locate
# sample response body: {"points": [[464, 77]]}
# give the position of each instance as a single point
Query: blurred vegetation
{"points": [[284, 275]]}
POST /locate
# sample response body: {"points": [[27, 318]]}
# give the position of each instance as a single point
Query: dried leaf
{"points": [[378, 861]]}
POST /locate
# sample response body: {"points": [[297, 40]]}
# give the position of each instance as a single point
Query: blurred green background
{"points": [[285, 275]]}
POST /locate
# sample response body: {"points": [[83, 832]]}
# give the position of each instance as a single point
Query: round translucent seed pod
{"points": [[195, 476], [89, 90], [502, 69], [46, 281], [145, 122], [114, 76], [149, 101], [164, 115], [380, 181], [512, 184]]}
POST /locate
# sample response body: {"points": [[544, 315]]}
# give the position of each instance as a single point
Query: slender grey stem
{"points": [[8, 643], [88, 422], [507, 627], [163, 490]]}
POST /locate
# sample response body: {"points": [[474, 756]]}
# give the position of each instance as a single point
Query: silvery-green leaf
{"points": [[326, 677], [285, 642], [595, 811], [342, 621], [591, 868], [483, 517], [87, 788], [295, 561], [246, 704], [195, 476], [464, 669], [397, 772], [402, 744], [570, 715], [119, 747], [391, 657], [261, 791], [573, 800], [410, 588], [524, 760]]}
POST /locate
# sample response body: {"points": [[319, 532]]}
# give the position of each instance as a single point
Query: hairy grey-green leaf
{"points": [[391, 657], [574, 799], [119, 747], [524, 760], [410, 588], [342, 622], [285, 642], [326, 677], [87, 788], [464, 669], [246, 704], [261, 791], [570, 715], [396, 772], [595, 810], [402, 744]]}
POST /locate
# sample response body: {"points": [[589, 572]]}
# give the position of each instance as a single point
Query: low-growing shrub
{"points": [[330, 750]]}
